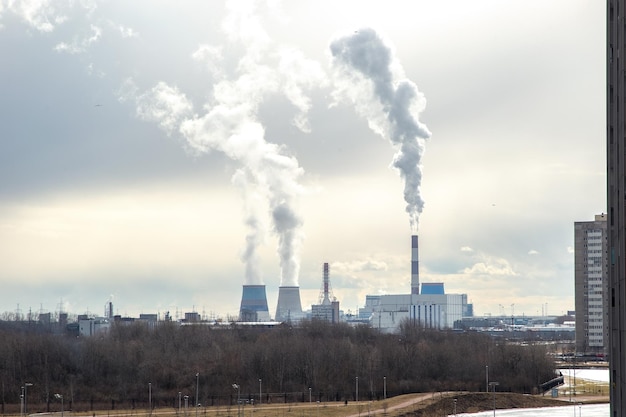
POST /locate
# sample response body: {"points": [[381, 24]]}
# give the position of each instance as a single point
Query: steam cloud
{"points": [[371, 78], [368, 75], [268, 176]]}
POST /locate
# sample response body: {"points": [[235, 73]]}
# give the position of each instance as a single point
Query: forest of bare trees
{"points": [[133, 364]]}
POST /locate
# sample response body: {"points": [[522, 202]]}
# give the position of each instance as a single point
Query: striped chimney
{"points": [[415, 267]]}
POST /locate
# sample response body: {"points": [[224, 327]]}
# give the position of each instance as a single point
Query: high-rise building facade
{"points": [[616, 199], [591, 286]]}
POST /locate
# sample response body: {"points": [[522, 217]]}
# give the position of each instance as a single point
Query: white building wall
{"points": [[91, 327], [454, 309], [432, 311]]}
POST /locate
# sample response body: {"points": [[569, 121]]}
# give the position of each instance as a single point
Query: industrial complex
{"points": [[425, 303]]}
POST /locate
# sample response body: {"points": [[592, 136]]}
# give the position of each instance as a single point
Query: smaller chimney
{"points": [[325, 294]]}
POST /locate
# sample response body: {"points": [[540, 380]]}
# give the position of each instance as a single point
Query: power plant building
{"points": [[329, 313], [431, 307], [435, 311], [93, 326], [591, 286]]}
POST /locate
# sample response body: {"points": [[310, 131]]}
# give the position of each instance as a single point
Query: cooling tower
{"points": [[289, 306], [254, 304], [415, 266]]}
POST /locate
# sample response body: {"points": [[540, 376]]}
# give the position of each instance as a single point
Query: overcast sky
{"points": [[161, 154]]}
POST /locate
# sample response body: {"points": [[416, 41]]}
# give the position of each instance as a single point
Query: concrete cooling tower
{"points": [[289, 307], [254, 304]]}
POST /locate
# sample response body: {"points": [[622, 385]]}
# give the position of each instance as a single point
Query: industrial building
{"points": [[431, 307], [91, 326], [436, 311], [591, 286]]}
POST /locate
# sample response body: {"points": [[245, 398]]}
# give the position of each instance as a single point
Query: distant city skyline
{"points": [[116, 184]]}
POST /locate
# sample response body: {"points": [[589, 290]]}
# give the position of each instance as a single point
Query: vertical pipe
{"points": [[196, 402]]}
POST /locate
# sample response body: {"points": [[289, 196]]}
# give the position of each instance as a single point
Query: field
{"points": [[419, 405]]}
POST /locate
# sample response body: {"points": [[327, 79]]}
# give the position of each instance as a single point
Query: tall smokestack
{"points": [[108, 311], [254, 304], [415, 266], [325, 299], [289, 306]]}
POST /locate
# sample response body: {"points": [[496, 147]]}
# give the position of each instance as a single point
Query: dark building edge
{"points": [[616, 177]]}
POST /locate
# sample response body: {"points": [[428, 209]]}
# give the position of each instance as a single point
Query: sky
{"points": [[162, 154]]}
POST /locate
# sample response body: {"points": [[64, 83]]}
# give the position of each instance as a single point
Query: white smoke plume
{"points": [[254, 220], [369, 76], [268, 174]]}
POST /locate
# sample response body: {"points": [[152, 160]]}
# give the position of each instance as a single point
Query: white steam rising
{"points": [[369, 76], [268, 176], [254, 220]]}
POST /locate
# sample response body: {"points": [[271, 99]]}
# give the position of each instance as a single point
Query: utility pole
{"points": [[197, 404]]}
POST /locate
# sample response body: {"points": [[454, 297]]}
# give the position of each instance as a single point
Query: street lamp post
{"points": [[357, 389], [384, 388], [22, 402], [235, 386], [26, 385], [186, 404], [494, 385], [309, 395], [150, 396], [260, 391], [197, 403], [574, 361], [513, 315], [486, 378], [60, 397], [179, 398]]}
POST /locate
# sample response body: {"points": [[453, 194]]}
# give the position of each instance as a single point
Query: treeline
{"points": [[133, 364]]}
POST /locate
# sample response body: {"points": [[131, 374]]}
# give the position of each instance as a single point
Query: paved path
{"points": [[416, 399]]}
